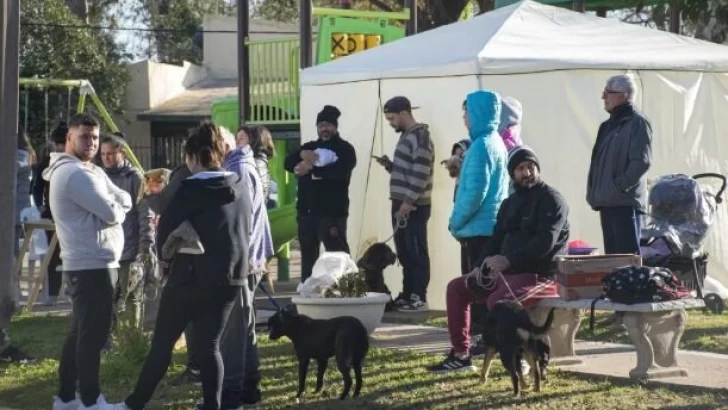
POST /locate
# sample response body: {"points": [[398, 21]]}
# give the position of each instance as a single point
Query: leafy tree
{"points": [[431, 13], [49, 48]]}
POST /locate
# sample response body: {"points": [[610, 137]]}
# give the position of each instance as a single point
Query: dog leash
{"points": [[400, 223], [261, 286], [489, 283]]}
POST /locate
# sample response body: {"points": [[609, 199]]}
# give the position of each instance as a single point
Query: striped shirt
{"points": [[241, 162], [412, 167]]}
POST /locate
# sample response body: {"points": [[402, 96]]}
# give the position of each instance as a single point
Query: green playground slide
{"points": [[283, 225]]}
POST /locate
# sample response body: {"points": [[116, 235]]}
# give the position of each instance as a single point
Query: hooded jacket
{"points": [[241, 162], [217, 204], [88, 210], [138, 232], [484, 176]]}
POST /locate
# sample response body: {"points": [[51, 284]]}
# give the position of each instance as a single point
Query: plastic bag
{"points": [[39, 241], [327, 271], [681, 212]]}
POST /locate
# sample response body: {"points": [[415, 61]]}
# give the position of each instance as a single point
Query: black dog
{"points": [[377, 258], [345, 337], [510, 332]]}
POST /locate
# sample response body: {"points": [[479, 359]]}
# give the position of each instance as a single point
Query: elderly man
{"points": [[617, 184], [531, 229]]}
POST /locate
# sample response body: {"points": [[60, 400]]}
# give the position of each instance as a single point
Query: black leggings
{"points": [[208, 309]]}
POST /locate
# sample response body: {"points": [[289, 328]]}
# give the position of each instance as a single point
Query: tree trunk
{"points": [[79, 8]]}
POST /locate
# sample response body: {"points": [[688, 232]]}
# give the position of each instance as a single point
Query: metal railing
{"points": [[274, 92]]}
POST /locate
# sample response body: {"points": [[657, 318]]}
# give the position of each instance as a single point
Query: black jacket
{"points": [[40, 188], [620, 160], [217, 204], [531, 228], [325, 190]]}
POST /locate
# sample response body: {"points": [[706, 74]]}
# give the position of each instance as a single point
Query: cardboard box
{"points": [[580, 277]]}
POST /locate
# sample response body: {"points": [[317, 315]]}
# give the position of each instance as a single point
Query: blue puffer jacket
{"points": [[484, 174]]}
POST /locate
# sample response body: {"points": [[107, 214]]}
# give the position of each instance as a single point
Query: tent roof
{"points": [[521, 38]]}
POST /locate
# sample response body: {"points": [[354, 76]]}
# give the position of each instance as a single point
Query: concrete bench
{"points": [[655, 330]]}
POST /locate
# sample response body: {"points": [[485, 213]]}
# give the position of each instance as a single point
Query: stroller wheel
{"points": [[714, 303]]}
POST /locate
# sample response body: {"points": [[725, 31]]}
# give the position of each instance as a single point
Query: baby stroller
{"points": [[681, 214]]}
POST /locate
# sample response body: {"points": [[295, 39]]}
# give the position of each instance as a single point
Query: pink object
{"points": [[511, 137]]}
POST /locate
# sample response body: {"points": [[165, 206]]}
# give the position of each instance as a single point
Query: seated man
{"points": [[531, 230]]}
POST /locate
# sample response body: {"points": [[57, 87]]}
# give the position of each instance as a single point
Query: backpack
{"points": [[640, 284]]}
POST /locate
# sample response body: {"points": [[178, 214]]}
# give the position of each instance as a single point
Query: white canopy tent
{"points": [[555, 62]]}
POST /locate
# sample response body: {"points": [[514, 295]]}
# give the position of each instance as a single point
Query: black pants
{"points": [[208, 308], [55, 276], [193, 361], [621, 228], [91, 292], [470, 250], [412, 251], [312, 231]]}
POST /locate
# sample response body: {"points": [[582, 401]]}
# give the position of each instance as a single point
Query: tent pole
{"points": [[411, 27]]}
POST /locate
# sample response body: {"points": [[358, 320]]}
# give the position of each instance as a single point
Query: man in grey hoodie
{"points": [[88, 210], [138, 232]]}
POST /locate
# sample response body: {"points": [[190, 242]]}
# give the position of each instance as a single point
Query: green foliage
{"points": [[65, 53], [351, 285]]}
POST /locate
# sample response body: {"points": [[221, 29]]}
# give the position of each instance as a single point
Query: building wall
{"points": [[152, 84]]}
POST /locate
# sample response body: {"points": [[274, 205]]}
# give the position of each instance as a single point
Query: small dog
{"points": [[510, 332], [344, 337], [377, 258]]}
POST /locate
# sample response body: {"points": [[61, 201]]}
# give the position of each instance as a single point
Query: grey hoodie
{"points": [[88, 210], [138, 232]]}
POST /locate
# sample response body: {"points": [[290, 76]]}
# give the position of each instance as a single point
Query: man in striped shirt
{"points": [[410, 189]]}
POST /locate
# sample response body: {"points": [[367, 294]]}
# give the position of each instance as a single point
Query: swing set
{"points": [[85, 90]]}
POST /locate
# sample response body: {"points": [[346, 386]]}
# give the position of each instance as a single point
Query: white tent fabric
{"points": [[524, 37], [683, 91]]}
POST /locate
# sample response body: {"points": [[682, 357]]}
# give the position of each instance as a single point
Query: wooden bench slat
{"points": [[690, 303]]}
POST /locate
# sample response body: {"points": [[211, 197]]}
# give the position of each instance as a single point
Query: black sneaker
{"points": [[252, 396], [189, 376], [12, 354], [401, 300], [415, 305], [453, 364]]}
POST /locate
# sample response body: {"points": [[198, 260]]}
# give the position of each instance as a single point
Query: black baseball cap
{"points": [[396, 105]]}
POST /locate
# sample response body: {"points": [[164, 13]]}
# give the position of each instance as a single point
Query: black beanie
{"points": [[520, 154], [329, 114]]}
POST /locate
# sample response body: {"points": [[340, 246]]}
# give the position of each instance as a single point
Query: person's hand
{"points": [[497, 263], [384, 161], [144, 258], [473, 274], [302, 168], [309, 156], [405, 209]]}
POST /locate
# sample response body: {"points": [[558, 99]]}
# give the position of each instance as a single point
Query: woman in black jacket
{"points": [[200, 288]]}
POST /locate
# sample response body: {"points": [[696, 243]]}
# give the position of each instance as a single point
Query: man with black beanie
{"points": [[531, 229], [323, 168]]}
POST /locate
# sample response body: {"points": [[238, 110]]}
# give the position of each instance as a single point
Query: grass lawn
{"points": [[705, 332], [393, 380]]}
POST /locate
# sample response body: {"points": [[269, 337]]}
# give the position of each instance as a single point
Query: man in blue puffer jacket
{"points": [[483, 178]]}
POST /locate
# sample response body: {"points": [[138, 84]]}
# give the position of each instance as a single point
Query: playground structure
{"points": [[85, 90]]}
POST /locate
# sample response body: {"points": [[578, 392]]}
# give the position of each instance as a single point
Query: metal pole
{"points": [[9, 47], [411, 27], [345, 4], [579, 5], [243, 62], [305, 33]]}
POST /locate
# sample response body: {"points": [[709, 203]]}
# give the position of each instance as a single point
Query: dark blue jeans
{"points": [[412, 251], [621, 229]]}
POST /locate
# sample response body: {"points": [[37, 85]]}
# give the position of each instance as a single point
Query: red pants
{"points": [[528, 287]]}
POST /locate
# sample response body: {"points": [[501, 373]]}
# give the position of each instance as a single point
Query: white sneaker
{"points": [[101, 404], [74, 404]]}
